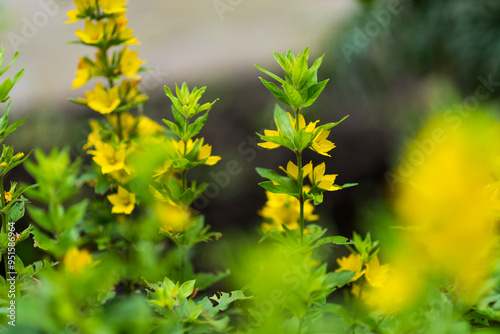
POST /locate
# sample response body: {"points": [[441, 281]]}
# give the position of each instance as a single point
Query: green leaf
{"points": [[278, 140], [278, 189], [328, 126], [283, 122], [204, 280], [4, 120], [284, 181], [278, 93], [11, 62], [318, 198], [40, 217], [173, 127], [186, 290], [314, 91], [302, 139], [16, 212], [195, 127], [222, 300], [348, 185], [272, 75], [311, 76], [293, 96], [300, 69], [339, 278]]}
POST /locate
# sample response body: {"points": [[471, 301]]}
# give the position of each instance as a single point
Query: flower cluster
{"points": [[299, 89]]}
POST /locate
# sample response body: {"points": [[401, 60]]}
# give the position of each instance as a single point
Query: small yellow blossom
{"points": [[147, 127], [283, 209], [7, 196], [123, 201], [376, 275], [93, 33], [116, 30], [75, 260], [321, 144], [171, 217], [109, 158], [293, 171], [204, 153], [82, 6], [113, 6], [352, 263], [129, 65], [83, 73], [3, 164], [94, 137], [102, 100], [322, 181]]}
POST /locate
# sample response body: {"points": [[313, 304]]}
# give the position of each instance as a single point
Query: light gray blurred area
{"points": [[189, 40]]}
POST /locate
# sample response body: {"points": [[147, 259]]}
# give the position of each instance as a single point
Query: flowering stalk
{"points": [[299, 89]]}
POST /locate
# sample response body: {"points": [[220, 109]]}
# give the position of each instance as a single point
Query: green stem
{"points": [[4, 223], [300, 181]]}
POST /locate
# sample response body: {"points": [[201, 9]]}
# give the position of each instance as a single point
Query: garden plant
{"points": [[119, 234]]}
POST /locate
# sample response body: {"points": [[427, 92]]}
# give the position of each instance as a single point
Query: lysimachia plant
{"points": [[106, 253], [290, 205]]}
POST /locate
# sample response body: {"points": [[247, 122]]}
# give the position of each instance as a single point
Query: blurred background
{"points": [[391, 64]]}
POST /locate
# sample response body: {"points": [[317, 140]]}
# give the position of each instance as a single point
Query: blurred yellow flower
{"points": [[352, 263], [113, 6], [283, 209], [92, 33], [82, 7], [123, 201], [129, 65], [102, 100], [76, 261], [376, 275], [171, 217]]}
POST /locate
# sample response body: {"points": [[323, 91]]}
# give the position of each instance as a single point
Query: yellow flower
{"points": [[116, 30], [171, 217], [123, 201], [204, 153], [102, 100], [283, 209], [109, 158], [113, 6], [93, 137], [129, 65], [277, 133], [83, 73], [292, 170], [82, 7], [376, 274], [185, 149], [147, 127], [321, 144], [75, 260], [93, 33], [322, 181], [352, 263], [7, 196]]}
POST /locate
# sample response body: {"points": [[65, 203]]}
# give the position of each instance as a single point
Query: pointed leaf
{"points": [[278, 93]]}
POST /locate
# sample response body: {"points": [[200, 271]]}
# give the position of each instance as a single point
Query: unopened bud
{"points": [[18, 156]]}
